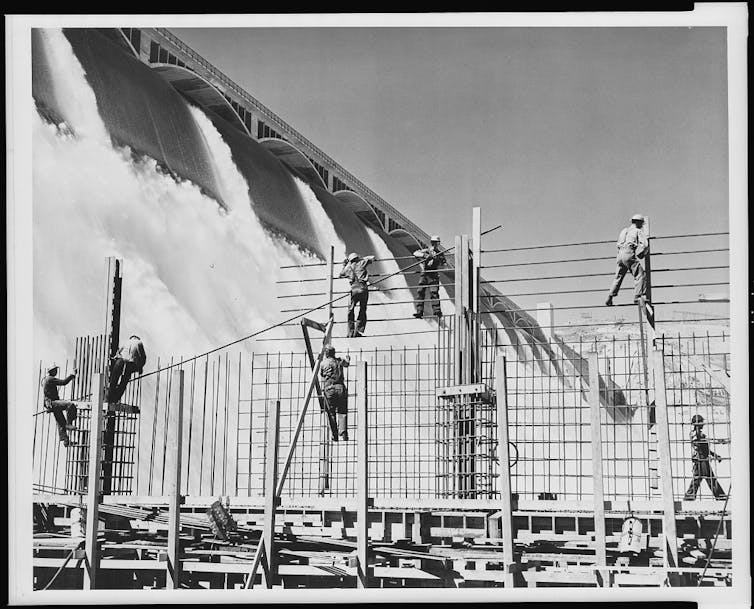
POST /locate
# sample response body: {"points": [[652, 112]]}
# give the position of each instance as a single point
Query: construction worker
{"points": [[355, 270], [130, 358], [55, 405], [632, 246], [432, 258], [334, 387], [700, 458]]}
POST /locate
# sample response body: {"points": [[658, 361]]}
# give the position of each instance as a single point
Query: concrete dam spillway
{"points": [[145, 118]]}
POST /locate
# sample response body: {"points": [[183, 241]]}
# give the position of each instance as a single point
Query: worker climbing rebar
{"points": [[130, 358], [334, 387], [56, 406], [632, 247], [700, 459], [355, 270], [432, 258]]}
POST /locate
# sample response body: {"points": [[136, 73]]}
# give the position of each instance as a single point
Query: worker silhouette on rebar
{"points": [[632, 246], [56, 406], [355, 270], [700, 459], [334, 387], [130, 358], [432, 258]]}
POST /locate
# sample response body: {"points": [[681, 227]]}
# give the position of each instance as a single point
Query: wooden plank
{"points": [[300, 424], [476, 256], [259, 556], [93, 495], [479, 389], [330, 277], [362, 476], [175, 442], [598, 493], [468, 350], [665, 461], [271, 498], [458, 326], [506, 511]]}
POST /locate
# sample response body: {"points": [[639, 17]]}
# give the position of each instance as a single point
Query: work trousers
{"points": [[431, 283], [337, 400], [120, 374], [358, 297], [627, 261], [57, 408], [703, 471]]}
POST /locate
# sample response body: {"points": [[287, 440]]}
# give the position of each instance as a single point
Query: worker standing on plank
{"points": [[130, 358], [431, 260], [355, 270], [700, 458], [334, 387], [632, 247], [56, 406]]}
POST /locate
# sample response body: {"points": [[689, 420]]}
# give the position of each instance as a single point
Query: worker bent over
{"points": [[56, 406], [334, 387], [632, 247], [700, 458], [131, 358], [431, 260], [355, 270]]}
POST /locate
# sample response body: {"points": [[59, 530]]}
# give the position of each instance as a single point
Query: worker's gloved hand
{"points": [[75, 371], [348, 358]]}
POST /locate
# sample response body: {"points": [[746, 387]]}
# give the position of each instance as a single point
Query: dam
{"points": [[499, 446]]}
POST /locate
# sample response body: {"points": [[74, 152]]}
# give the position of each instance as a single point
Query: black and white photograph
{"points": [[418, 307]]}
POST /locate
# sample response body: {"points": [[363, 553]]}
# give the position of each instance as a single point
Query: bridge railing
{"points": [[356, 184]]}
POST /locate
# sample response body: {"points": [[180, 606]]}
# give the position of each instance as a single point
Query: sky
{"points": [[562, 129], [558, 134]]}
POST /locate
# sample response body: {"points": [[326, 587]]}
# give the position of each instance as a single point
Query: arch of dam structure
{"points": [[360, 207], [406, 239], [292, 157], [200, 91]]}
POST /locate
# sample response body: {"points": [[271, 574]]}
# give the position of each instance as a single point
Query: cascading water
{"points": [[197, 275]]}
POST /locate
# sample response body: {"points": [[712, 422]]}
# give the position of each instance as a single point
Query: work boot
{"points": [[344, 436], [609, 301], [66, 443], [419, 315], [438, 314]]}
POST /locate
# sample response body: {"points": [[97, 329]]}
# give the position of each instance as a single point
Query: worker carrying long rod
{"points": [[432, 258], [633, 245]]}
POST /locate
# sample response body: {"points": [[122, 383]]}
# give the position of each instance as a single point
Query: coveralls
{"points": [[358, 276], [700, 458], [334, 388], [131, 358], [56, 406], [432, 260], [632, 245]]}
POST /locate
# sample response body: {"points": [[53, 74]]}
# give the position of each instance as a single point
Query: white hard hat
{"points": [[353, 256], [434, 238], [51, 367], [637, 217]]}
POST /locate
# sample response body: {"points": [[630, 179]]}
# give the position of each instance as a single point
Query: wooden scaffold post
{"points": [[363, 573], [113, 297], [598, 492], [271, 496], [175, 499], [94, 495], [666, 467], [503, 442]]}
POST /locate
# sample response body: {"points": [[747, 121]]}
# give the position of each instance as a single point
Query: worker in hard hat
{"points": [[632, 246], [334, 387], [130, 359], [355, 270], [432, 258], [700, 458], [63, 411]]}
